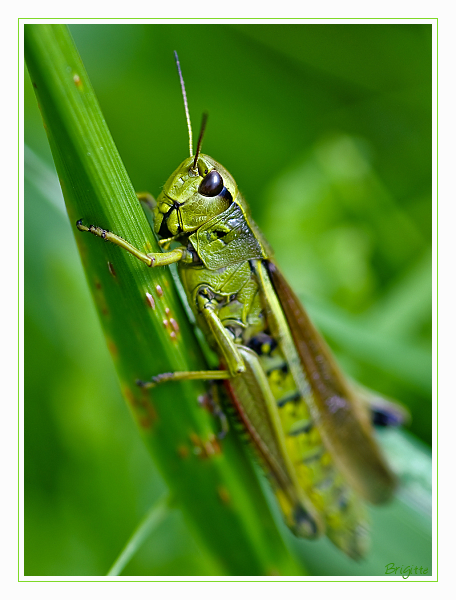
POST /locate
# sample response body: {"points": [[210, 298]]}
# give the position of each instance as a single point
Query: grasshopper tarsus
{"points": [[157, 379], [145, 384], [162, 377], [94, 229]]}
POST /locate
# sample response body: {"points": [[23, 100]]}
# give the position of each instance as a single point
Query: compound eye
{"points": [[211, 185]]}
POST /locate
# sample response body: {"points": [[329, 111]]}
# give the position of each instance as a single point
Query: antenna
{"points": [[200, 139], [187, 114]]}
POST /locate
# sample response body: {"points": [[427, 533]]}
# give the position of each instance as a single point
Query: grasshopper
{"points": [[310, 426]]}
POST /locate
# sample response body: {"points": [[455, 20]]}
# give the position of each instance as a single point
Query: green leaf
{"points": [[213, 482]]}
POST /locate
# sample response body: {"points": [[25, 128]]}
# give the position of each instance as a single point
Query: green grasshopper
{"points": [[310, 426]]}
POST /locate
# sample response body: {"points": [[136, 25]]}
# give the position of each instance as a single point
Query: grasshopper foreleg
{"points": [[158, 259]]}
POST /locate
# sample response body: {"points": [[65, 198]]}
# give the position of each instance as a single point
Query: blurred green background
{"points": [[327, 130]]}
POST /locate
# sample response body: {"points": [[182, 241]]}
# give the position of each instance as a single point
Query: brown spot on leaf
{"points": [[223, 494], [129, 396], [183, 451], [112, 349], [205, 449], [141, 406], [214, 442], [150, 300], [145, 422], [209, 449]]}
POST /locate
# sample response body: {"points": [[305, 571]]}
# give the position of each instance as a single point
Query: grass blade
{"points": [[151, 521], [215, 485]]}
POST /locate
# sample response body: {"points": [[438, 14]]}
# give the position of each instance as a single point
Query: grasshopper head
{"points": [[193, 195]]}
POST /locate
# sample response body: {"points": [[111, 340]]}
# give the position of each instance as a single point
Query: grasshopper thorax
{"points": [[192, 196]]}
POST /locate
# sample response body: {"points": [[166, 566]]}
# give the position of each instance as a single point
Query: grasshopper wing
{"points": [[342, 417]]}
